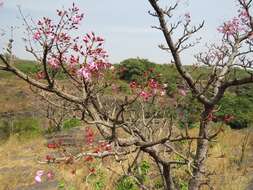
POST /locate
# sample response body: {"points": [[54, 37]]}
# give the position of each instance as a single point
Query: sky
{"points": [[125, 24]]}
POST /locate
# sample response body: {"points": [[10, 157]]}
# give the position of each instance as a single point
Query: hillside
{"points": [[22, 126]]}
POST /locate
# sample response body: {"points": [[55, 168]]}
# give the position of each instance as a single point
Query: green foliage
{"points": [[61, 185], [23, 127], [126, 183], [97, 180], [71, 123], [183, 185], [158, 184], [240, 106], [140, 173], [27, 66], [134, 69]]}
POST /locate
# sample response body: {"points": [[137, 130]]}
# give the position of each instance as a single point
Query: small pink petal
{"points": [[182, 92], [39, 172], [38, 179], [50, 175]]}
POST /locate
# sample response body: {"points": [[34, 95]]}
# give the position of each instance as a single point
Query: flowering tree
{"points": [[224, 60], [75, 74]]}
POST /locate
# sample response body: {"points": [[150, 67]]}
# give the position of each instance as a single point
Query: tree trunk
{"points": [[166, 175], [201, 152]]}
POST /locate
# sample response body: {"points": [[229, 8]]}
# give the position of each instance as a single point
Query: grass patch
{"points": [[23, 128], [71, 123]]}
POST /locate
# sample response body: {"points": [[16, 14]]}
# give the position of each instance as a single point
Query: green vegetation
{"points": [[97, 180], [71, 123], [22, 127], [126, 183], [237, 101], [140, 175]]}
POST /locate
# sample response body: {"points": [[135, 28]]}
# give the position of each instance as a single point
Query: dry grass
{"points": [[18, 163], [225, 160], [14, 95]]}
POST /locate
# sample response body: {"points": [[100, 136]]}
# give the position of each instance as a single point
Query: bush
{"points": [[126, 183], [134, 69], [241, 107], [71, 123]]}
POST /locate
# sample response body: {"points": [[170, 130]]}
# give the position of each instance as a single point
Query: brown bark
{"points": [[166, 175], [201, 152]]}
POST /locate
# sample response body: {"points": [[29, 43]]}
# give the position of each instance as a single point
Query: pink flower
{"points": [[182, 92], [40, 75], [153, 84], [38, 176], [54, 63], [50, 175], [237, 24], [77, 19], [133, 84], [73, 60], [37, 35], [93, 66], [85, 73], [145, 95], [40, 173], [38, 179]]}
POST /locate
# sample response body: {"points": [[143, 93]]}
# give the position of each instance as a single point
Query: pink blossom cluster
{"points": [[95, 57], [231, 27], [82, 57], [151, 89], [40, 173], [89, 136], [54, 62], [237, 24], [46, 30]]}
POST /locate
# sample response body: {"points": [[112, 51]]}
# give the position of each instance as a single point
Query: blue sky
{"points": [[125, 24]]}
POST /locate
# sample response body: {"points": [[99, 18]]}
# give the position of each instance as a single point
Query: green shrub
{"points": [[240, 106], [71, 123], [133, 69], [126, 183], [141, 171], [183, 185], [97, 180]]}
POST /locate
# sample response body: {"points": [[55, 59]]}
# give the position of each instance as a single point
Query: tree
{"points": [[234, 50], [141, 122], [135, 69]]}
